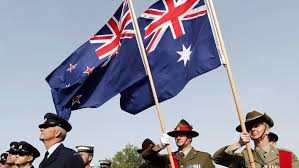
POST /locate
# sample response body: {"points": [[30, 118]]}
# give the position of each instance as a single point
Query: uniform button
{"points": [[182, 166]]}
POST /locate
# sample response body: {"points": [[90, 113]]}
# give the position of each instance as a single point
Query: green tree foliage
{"points": [[127, 158]]}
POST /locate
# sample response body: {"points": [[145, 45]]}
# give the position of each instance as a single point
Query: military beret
{"points": [[13, 147], [3, 157], [27, 149], [84, 148], [52, 120]]}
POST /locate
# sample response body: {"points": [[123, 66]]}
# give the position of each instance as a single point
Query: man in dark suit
{"points": [[52, 133], [26, 154]]}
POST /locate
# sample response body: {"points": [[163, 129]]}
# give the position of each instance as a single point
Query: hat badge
{"points": [[12, 146], [20, 147]]}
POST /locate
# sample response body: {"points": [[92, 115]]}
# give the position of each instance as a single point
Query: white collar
{"points": [[53, 148]]}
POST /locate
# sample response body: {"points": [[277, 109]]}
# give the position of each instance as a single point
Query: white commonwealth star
{"points": [[185, 54]]}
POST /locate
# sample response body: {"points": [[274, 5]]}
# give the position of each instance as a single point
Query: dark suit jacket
{"points": [[63, 157]]}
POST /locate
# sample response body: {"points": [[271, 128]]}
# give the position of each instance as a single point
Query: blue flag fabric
{"points": [[180, 46], [95, 72]]}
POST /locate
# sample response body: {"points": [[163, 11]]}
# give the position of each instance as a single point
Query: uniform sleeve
{"points": [[75, 161], [209, 162], [154, 157], [228, 160]]}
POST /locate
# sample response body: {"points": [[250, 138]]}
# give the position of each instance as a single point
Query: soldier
{"points": [[148, 144], [86, 153], [3, 158], [186, 156], [11, 158], [26, 154], [52, 133], [265, 155], [273, 138], [105, 164]]}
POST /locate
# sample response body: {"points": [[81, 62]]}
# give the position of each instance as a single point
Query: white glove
{"points": [[164, 140]]}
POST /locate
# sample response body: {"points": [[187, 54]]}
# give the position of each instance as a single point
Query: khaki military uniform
{"points": [[266, 158], [194, 159]]}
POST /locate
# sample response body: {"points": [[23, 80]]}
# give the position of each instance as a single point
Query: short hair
{"points": [[63, 133]]}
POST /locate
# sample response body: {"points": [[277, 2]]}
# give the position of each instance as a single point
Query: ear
{"points": [[90, 157], [30, 158], [57, 133], [267, 131]]}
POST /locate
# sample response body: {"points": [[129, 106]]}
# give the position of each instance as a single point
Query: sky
{"points": [[261, 39]]}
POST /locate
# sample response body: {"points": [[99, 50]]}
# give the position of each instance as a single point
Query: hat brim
{"points": [[12, 151], [47, 125], [35, 154], [263, 118], [191, 133]]}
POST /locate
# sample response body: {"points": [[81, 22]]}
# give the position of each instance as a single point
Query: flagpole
{"points": [[223, 52], [149, 74]]}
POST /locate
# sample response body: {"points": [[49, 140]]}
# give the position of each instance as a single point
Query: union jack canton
{"points": [[172, 16]]}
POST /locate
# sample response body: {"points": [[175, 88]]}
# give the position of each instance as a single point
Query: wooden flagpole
{"points": [[149, 74], [223, 52]]}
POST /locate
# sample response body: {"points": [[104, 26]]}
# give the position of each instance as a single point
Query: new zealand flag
{"points": [[95, 72]]}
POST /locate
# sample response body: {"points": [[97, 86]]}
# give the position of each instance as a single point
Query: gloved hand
{"points": [[164, 140]]}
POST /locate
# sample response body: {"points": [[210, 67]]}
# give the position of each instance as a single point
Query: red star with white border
{"points": [[88, 70], [76, 99]]}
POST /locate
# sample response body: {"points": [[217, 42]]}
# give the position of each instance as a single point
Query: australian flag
{"points": [[95, 72], [180, 46]]}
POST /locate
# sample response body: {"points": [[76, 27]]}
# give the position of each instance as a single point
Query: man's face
{"points": [[257, 130], [47, 133], [11, 158], [86, 157], [3, 165], [182, 140], [22, 159]]}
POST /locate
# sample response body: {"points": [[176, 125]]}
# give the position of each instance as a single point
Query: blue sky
{"points": [[261, 38]]}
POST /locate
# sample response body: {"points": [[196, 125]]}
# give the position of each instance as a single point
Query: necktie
{"points": [[180, 157], [46, 155], [44, 160]]}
